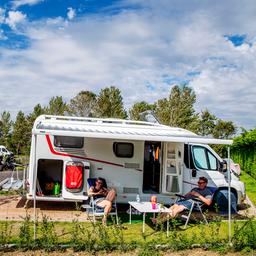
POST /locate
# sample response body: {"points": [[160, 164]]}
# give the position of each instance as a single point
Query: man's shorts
{"points": [[186, 203]]}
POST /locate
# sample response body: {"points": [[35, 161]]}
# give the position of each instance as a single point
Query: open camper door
{"points": [[75, 178], [172, 168]]}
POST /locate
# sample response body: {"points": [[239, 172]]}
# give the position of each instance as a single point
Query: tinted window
{"points": [[204, 159], [212, 161], [122, 149], [68, 142]]}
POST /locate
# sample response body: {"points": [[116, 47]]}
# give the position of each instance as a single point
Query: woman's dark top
{"points": [[97, 190]]}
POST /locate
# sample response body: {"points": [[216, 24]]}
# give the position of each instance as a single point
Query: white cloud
{"points": [[71, 13], [14, 18], [18, 3], [139, 47]]}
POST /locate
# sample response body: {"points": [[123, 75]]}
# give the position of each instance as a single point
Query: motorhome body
{"points": [[134, 157]]}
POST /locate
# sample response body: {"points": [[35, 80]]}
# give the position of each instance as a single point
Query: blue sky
{"points": [[60, 47]]}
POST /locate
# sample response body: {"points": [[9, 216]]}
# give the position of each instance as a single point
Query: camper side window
{"points": [[204, 159], [123, 149], [68, 142]]}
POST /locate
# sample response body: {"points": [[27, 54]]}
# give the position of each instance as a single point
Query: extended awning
{"points": [[121, 131]]}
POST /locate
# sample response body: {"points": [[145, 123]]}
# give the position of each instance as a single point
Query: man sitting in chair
{"points": [[201, 193], [103, 197]]}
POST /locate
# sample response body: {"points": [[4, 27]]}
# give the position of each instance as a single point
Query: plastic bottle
{"points": [[56, 188], [138, 198]]}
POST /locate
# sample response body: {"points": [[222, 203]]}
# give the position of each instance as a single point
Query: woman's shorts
{"points": [[98, 200]]}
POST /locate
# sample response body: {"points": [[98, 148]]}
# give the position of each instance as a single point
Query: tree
{"points": [[83, 104], [110, 103], [206, 123], [178, 110], [56, 106], [223, 129], [162, 110], [37, 111], [138, 108], [5, 127], [21, 134]]}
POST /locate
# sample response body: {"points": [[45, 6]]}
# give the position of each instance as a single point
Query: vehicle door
{"points": [[74, 182], [206, 163], [172, 168]]}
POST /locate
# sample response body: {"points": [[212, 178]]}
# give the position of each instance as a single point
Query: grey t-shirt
{"points": [[206, 192]]}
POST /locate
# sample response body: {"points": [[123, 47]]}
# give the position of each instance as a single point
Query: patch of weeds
{"points": [[102, 232], [118, 235], [5, 232], [245, 235], [48, 238], [83, 238], [8, 193], [214, 236], [149, 250], [25, 239]]}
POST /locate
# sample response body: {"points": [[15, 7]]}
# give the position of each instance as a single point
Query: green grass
{"points": [[132, 232], [90, 237], [8, 193], [250, 184]]}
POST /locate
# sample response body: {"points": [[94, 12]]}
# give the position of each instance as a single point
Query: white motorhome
{"points": [[134, 157]]}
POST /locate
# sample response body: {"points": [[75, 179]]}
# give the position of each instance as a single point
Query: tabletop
{"points": [[147, 207]]}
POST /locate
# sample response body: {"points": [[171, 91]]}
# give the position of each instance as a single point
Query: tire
{"points": [[1, 167], [221, 200]]}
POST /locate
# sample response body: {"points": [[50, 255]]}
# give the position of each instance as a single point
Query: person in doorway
{"points": [[102, 196], [201, 192]]}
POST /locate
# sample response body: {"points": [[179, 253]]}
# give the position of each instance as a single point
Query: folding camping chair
{"points": [[93, 209], [196, 206]]}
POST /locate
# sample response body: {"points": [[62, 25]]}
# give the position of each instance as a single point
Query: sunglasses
{"points": [[200, 182], [99, 182]]}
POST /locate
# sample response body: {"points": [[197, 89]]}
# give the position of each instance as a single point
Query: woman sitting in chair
{"points": [[103, 197]]}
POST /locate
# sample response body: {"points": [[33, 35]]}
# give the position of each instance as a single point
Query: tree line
{"points": [[177, 110], [244, 151]]}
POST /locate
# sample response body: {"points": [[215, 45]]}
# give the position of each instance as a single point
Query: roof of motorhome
{"points": [[117, 129]]}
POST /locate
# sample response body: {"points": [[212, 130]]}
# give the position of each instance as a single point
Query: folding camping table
{"points": [[146, 207]]}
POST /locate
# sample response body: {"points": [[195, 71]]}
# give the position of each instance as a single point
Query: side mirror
{"points": [[223, 166]]}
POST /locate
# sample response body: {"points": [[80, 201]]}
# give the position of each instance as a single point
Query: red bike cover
{"points": [[74, 178]]}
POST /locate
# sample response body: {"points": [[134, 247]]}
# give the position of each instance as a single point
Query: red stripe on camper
{"points": [[53, 151]]}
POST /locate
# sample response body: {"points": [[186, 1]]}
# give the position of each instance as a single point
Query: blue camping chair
{"points": [[93, 209]]}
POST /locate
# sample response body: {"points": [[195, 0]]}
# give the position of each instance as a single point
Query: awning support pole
{"points": [[229, 198], [34, 206]]}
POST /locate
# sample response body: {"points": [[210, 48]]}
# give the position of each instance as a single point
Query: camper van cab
{"points": [[134, 157]]}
